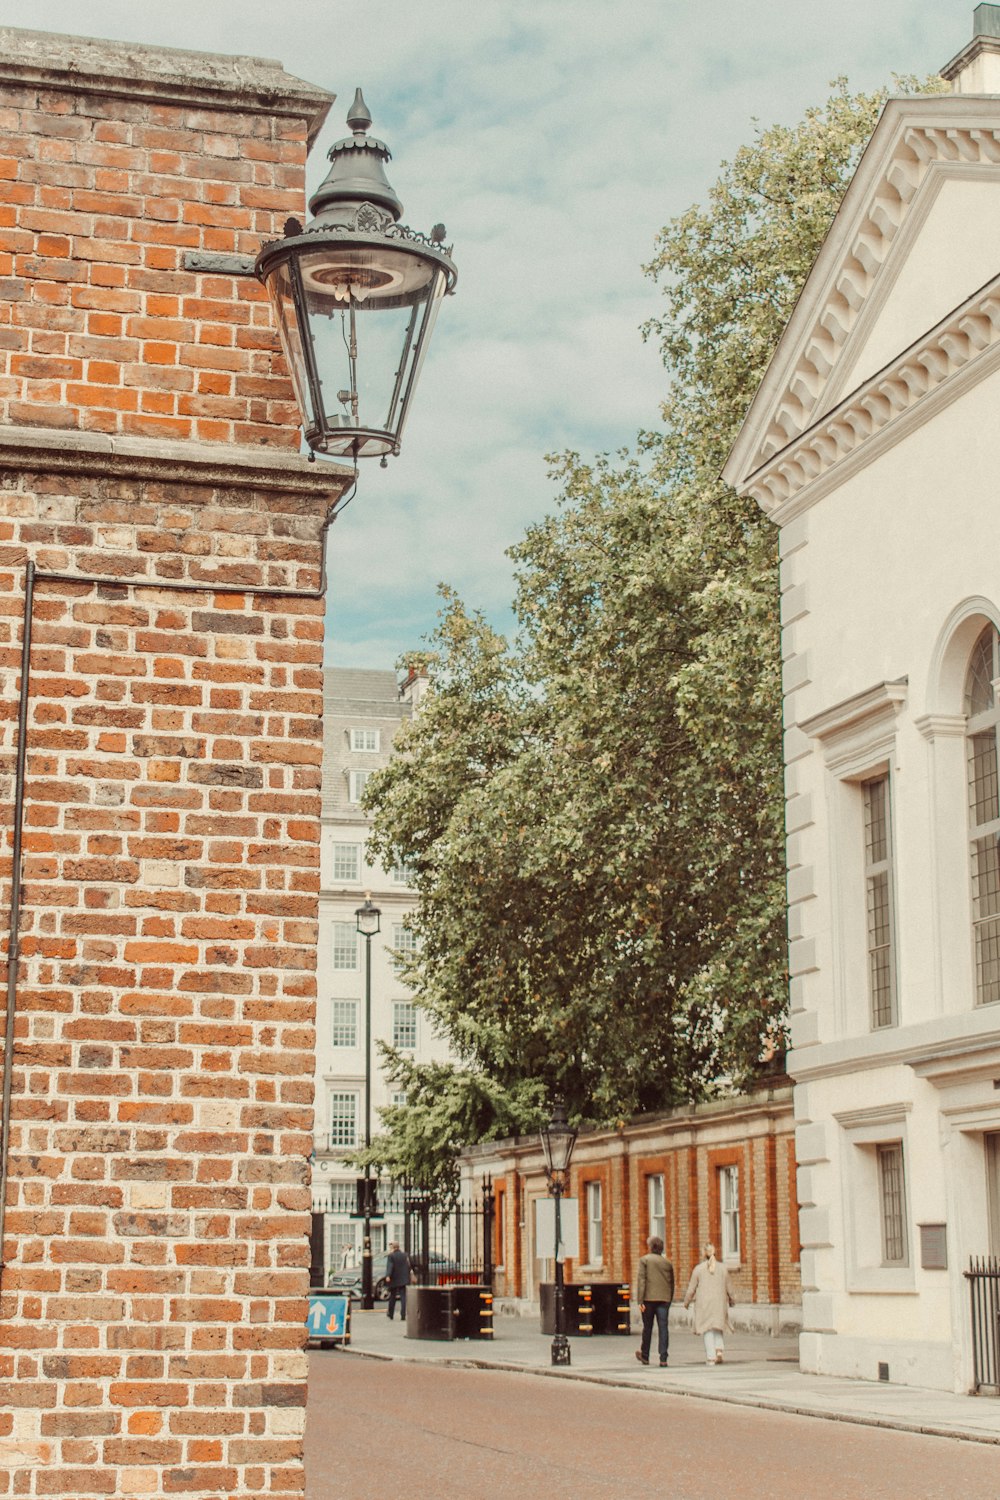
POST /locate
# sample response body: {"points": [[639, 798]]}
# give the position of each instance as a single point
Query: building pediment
{"points": [[902, 296]]}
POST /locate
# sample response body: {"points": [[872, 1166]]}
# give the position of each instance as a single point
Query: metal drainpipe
{"points": [[13, 945], [32, 576]]}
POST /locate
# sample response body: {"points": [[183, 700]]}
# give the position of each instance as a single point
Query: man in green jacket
{"points": [[654, 1294]]}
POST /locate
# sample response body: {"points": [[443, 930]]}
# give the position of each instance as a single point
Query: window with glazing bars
{"points": [[729, 1212], [343, 1120], [356, 783], [595, 1224], [364, 739], [347, 861], [892, 1204], [343, 1242], [984, 812], [657, 1206], [404, 1024], [344, 1030], [879, 898], [404, 941], [345, 945]]}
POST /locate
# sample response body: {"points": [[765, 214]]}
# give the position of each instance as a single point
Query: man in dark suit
{"points": [[397, 1274], [655, 1292]]}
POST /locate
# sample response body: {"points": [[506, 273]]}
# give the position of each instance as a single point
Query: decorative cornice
{"points": [[968, 336], [943, 135], [941, 726], [876, 702], [919, 150], [971, 1038], [873, 1114]]}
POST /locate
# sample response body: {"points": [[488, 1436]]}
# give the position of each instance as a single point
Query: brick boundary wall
{"points": [[687, 1147]]}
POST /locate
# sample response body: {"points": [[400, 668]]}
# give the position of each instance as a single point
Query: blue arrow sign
{"points": [[327, 1316]]}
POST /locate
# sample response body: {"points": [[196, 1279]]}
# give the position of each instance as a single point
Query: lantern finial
{"points": [[359, 118]]}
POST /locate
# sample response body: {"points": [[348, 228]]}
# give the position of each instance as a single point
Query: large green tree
{"points": [[594, 813]]}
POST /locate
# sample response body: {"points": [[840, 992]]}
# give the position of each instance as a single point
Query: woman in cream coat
{"points": [[712, 1296]]}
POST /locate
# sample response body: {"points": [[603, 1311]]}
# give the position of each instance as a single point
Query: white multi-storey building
{"points": [[873, 443], [363, 710]]}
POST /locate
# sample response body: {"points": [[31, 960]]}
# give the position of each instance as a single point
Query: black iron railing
{"points": [[983, 1277]]}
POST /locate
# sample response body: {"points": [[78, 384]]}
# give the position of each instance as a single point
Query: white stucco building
{"points": [[874, 444], [363, 710]]}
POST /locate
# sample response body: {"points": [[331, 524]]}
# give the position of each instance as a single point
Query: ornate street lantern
{"points": [[355, 294], [368, 918], [558, 1139]]}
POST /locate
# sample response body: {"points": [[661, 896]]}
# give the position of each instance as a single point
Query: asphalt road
{"points": [[377, 1430]]}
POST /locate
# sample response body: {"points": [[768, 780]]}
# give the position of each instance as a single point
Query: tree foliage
{"points": [[594, 812]]}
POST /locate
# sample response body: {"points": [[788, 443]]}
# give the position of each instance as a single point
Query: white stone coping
{"points": [[50, 449], [169, 75]]}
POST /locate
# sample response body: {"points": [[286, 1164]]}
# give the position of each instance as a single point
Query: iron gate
{"points": [[983, 1277], [449, 1244]]}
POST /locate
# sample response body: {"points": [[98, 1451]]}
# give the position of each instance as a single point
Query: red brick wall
{"points": [[152, 1299], [100, 327], [156, 1260]]}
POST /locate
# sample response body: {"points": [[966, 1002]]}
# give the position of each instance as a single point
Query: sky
{"points": [[554, 138]]}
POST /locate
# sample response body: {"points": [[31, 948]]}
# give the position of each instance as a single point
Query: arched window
{"points": [[983, 712]]}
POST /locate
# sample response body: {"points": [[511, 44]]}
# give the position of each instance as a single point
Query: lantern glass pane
{"points": [[369, 316], [279, 286]]}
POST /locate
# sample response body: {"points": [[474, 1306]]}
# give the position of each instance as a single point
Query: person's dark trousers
{"points": [[660, 1313], [400, 1292]]}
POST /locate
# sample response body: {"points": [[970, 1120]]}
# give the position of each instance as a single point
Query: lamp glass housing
{"points": [[558, 1139], [354, 315], [368, 919]]}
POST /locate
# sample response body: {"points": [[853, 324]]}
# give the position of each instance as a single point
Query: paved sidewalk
{"points": [[758, 1371]]}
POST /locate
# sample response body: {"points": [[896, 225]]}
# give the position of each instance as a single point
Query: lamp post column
{"points": [[560, 1343], [367, 1292], [368, 920], [558, 1139]]}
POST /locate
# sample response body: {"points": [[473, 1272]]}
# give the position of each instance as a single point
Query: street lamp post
{"points": [[558, 1140], [368, 920]]}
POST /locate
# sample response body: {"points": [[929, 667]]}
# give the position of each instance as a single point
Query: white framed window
{"points": [[356, 783], [345, 945], [879, 902], [404, 1024], [347, 862], [343, 1120], [876, 1214], [655, 1188], [404, 942], [399, 1100], [342, 1245], [344, 1023], [983, 712], [729, 1212], [365, 739], [892, 1204], [402, 874], [595, 1224]]}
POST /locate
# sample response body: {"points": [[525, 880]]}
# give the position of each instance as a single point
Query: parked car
{"points": [[429, 1273], [347, 1283]]}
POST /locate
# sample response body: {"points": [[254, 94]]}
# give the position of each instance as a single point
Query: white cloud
{"points": [[553, 137]]}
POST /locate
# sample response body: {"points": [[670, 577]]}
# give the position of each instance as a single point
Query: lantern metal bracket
{"points": [[217, 264]]}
